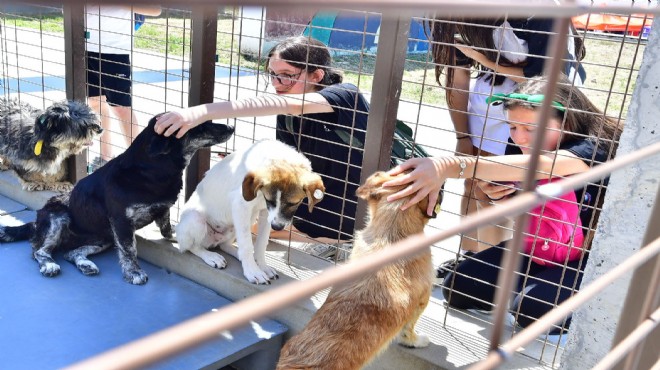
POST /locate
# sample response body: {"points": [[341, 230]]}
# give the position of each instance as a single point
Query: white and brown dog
{"points": [[361, 318], [268, 181]]}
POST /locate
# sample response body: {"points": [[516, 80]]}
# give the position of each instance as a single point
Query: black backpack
{"points": [[403, 144]]}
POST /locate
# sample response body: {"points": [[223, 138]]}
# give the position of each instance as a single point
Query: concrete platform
{"points": [[458, 338], [49, 323]]}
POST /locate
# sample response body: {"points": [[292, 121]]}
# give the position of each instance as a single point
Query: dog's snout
{"points": [[223, 132], [277, 226]]}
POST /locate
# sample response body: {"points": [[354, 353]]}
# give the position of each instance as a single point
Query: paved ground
{"points": [[71, 317]]}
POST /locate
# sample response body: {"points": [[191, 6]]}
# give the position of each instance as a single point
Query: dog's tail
{"points": [[16, 233]]}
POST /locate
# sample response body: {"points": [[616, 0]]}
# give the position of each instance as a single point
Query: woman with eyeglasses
{"points": [[319, 115], [578, 136]]}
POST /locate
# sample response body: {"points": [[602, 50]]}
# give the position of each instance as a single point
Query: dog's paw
{"points": [[414, 340], [87, 268], [269, 271], [215, 260], [169, 236], [62, 187], [33, 186], [136, 277], [49, 269], [255, 275]]}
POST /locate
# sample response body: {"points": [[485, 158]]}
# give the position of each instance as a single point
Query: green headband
{"points": [[536, 98]]}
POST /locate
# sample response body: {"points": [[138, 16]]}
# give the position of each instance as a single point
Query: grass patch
{"points": [[611, 65], [45, 23]]}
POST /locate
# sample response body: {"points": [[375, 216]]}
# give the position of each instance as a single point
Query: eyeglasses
{"points": [[497, 99], [285, 79]]}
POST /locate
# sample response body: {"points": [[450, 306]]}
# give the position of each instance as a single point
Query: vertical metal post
{"points": [[76, 76], [202, 81], [386, 91], [642, 299]]}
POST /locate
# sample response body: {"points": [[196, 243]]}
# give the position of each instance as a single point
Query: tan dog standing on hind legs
{"points": [[358, 320]]}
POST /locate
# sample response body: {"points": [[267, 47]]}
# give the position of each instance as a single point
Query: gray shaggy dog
{"points": [[34, 143]]}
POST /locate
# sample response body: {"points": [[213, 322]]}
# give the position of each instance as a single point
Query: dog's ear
{"points": [[160, 145], [57, 114], [423, 205], [314, 188], [372, 187], [251, 184], [369, 192]]}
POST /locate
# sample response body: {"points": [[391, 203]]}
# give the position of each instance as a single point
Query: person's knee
{"points": [[454, 296], [529, 309]]}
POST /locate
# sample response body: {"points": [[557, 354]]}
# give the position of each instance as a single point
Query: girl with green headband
{"points": [[578, 136], [474, 59]]}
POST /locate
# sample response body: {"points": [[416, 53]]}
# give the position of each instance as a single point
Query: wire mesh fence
{"points": [[437, 116]]}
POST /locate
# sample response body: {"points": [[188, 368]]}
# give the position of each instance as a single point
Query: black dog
{"points": [[35, 143], [108, 206]]}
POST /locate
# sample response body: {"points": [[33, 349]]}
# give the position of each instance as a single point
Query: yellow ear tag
{"points": [[37, 147], [436, 210]]}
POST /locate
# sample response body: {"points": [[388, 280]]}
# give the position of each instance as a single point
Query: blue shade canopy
{"points": [[344, 30]]}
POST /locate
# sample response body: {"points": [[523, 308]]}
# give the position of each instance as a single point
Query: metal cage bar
{"points": [[386, 89], [202, 77], [76, 78]]}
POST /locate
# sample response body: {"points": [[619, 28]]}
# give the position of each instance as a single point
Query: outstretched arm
{"points": [[182, 120], [428, 174], [514, 73]]}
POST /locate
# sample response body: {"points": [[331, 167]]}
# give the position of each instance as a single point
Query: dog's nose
{"points": [[277, 226]]}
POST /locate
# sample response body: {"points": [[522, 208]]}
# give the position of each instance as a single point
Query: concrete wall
{"points": [[623, 222]]}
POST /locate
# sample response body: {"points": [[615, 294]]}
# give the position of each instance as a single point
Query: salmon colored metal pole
{"points": [[633, 357], [190, 333], [548, 8], [500, 355], [512, 257]]}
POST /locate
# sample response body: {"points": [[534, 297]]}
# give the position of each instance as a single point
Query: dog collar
{"points": [[436, 210], [37, 147]]}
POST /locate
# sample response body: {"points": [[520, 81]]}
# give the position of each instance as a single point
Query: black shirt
{"points": [[325, 138], [536, 31], [592, 155]]}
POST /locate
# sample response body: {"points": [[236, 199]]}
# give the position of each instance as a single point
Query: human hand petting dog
{"points": [[425, 179], [180, 121]]}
